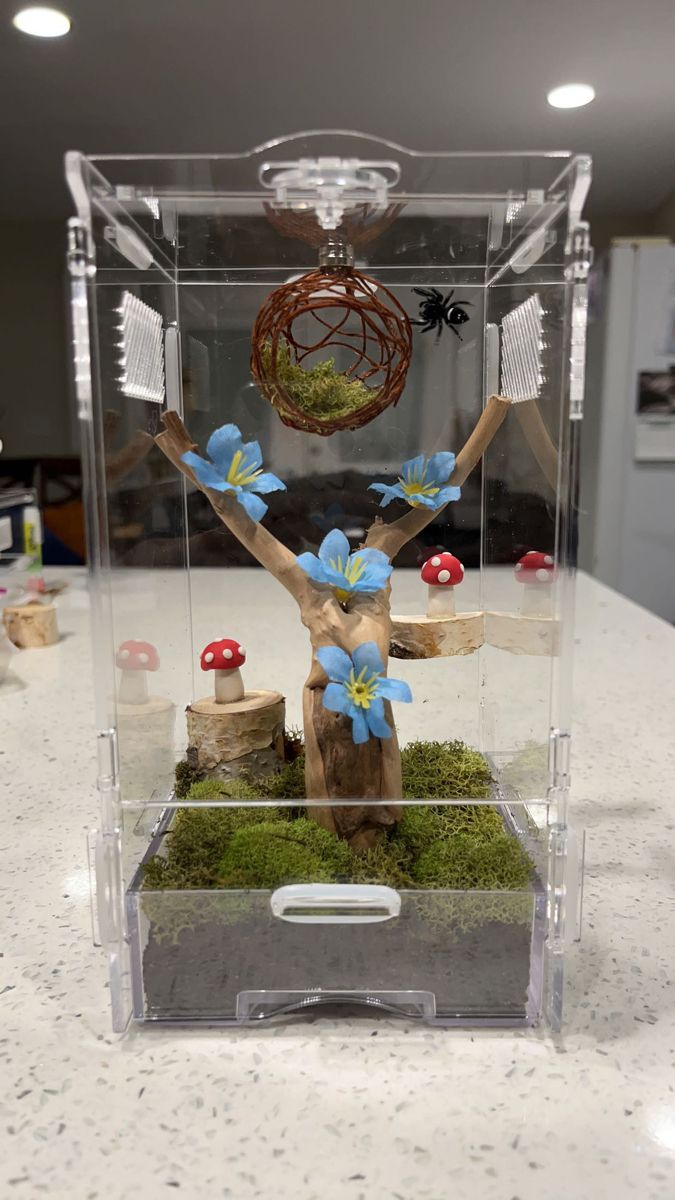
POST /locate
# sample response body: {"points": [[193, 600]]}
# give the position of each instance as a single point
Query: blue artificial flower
{"points": [[358, 688], [362, 571], [422, 483], [235, 467]]}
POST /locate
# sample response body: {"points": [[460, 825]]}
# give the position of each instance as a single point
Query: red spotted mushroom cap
{"points": [[137, 656], [224, 655], [443, 570], [535, 567]]}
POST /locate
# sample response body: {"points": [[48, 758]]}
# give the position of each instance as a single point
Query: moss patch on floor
{"points": [[320, 391], [437, 770], [433, 846]]}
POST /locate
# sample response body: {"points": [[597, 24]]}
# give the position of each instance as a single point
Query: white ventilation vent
{"points": [[141, 350], [522, 348]]}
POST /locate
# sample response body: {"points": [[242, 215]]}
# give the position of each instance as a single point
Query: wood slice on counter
{"points": [[523, 635], [31, 625], [145, 744], [436, 637], [246, 734]]}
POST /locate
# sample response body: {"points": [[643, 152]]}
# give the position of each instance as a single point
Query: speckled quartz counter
{"points": [[359, 1109]]}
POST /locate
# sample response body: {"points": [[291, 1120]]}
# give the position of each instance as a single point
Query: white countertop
{"points": [[359, 1109]]}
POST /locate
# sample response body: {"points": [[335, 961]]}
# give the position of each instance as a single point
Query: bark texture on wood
{"points": [[349, 772], [330, 769], [436, 637], [31, 625], [224, 733]]}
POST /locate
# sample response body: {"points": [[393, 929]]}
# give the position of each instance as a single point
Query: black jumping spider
{"points": [[437, 311]]}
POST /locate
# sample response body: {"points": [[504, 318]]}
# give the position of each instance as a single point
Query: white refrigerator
{"points": [[627, 495]]}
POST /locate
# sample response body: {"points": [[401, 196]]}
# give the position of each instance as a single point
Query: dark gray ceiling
{"points": [[212, 75]]}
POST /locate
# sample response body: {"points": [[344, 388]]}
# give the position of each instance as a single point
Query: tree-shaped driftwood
{"points": [[336, 769]]}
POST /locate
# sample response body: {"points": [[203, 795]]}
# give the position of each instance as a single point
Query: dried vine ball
{"points": [[331, 349]]}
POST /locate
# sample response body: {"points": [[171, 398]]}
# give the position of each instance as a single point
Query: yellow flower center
{"points": [[417, 487], [352, 570], [360, 690], [414, 486], [240, 473]]}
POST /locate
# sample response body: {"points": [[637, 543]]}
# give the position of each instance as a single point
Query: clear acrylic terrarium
{"points": [[315, 791]]}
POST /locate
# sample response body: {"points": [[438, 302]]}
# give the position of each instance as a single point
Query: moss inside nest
{"points": [[320, 391], [434, 846]]}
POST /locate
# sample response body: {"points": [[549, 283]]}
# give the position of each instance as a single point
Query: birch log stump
{"points": [[245, 735], [31, 625]]}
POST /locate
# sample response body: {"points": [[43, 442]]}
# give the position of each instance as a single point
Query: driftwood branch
{"points": [[120, 463], [539, 440], [265, 548], [391, 538]]}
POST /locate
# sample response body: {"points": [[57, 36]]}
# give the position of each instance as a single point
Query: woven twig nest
{"points": [[331, 350]]}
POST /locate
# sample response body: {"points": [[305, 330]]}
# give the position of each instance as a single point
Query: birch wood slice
{"points": [[247, 733], [523, 635], [436, 637], [31, 625]]}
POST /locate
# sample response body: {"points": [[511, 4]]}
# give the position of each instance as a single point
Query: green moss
{"points": [[277, 852], [321, 390], [465, 861], [387, 863], [440, 770], [458, 912], [286, 784], [185, 777], [422, 824], [196, 843], [430, 770], [434, 846]]}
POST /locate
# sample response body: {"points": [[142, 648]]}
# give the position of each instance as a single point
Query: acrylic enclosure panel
{"points": [[359, 691]]}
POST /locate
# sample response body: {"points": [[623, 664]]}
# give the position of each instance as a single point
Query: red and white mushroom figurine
{"points": [[537, 572], [225, 657], [442, 572], [135, 658]]}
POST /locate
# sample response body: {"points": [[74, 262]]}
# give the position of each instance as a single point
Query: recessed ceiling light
{"points": [[42, 22], [571, 95]]}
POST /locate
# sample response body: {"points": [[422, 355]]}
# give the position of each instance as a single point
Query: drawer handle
{"points": [[335, 903]]}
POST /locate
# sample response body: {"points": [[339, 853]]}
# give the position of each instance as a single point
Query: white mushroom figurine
{"points": [[537, 572], [442, 572], [225, 657], [135, 658]]}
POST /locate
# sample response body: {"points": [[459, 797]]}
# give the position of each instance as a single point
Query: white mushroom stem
{"points": [[441, 602], [536, 600], [133, 687], [229, 686]]}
